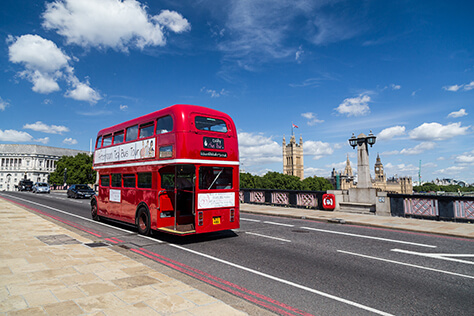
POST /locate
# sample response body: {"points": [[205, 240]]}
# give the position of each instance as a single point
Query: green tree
{"points": [[79, 170], [279, 181], [317, 184]]}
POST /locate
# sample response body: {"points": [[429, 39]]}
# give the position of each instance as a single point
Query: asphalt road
{"points": [[300, 267]]}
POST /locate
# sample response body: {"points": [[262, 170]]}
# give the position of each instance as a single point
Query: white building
{"points": [[32, 162]]}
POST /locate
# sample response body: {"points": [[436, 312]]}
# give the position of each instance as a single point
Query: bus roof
{"points": [[174, 110]]}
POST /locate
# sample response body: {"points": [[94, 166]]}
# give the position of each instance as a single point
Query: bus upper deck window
{"points": [[164, 124], [98, 144], [118, 137], [210, 124], [107, 140], [146, 130], [132, 133]]}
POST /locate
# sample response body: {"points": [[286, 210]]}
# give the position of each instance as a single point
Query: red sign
{"points": [[329, 201]]}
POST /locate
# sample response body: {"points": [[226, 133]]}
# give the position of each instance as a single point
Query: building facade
{"points": [[293, 164], [33, 162]]}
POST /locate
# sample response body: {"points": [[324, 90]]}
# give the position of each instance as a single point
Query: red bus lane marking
{"points": [[207, 279], [64, 221], [229, 283]]}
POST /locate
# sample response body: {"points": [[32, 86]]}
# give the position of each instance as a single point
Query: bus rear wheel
{"points": [[94, 214], [143, 221]]}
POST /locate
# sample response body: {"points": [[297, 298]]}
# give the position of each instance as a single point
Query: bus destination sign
{"points": [[131, 151], [213, 143]]}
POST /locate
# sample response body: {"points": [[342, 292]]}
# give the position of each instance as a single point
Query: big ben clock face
{"points": [[377, 169]]}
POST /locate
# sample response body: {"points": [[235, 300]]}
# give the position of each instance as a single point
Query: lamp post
{"points": [[363, 171]]}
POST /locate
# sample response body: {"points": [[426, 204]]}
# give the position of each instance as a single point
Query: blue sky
{"points": [[403, 69]]}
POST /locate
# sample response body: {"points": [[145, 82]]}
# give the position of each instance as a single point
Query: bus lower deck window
{"points": [[144, 180], [105, 180], [215, 178], [128, 180], [116, 180]]}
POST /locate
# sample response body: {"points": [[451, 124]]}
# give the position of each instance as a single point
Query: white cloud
{"points": [[357, 106], [399, 169], [435, 131], [215, 93], [111, 23], [462, 87], [311, 172], [258, 149], [3, 104], [391, 132], [418, 149], [451, 170], [45, 64], [465, 158], [317, 149], [82, 92], [50, 129], [395, 86], [44, 140], [456, 114], [11, 135], [299, 53], [312, 118], [69, 141], [123, 107]]}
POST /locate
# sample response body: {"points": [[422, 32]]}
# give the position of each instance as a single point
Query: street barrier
{"points": [[454, 208], [289, 198]]}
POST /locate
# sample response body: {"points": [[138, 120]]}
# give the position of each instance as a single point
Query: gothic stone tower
{"points": [[293, 157], [378, 168]]}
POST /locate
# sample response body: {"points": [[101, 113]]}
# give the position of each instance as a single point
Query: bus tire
{"points": [[94, 209], [143, 221]]}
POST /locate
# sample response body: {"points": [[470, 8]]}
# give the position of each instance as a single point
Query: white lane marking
{"points": [[250, 220], [260, 235], [279, 224], [296, 285], [407, 264], [442, 256], [84, 218], [370, 237]]}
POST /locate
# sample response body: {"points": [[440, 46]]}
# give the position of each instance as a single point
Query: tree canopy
{"points": [[431, 187], [279, 181], [79, 170]]}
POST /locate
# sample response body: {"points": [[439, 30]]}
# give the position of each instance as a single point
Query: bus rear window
{"points": [[146, 130], [215, 178], [210, 124]]}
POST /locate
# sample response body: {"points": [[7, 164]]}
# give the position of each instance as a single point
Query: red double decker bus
{"points": [[174, 170]]}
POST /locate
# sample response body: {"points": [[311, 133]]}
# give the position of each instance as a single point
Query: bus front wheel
{"points": [[143, 221]]}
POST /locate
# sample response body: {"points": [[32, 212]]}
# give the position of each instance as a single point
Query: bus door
{"points": [[177, 196]]}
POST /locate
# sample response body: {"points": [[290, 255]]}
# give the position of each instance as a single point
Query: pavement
{"points": [[47, 268]]}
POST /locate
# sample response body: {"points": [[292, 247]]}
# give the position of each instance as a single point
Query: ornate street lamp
{"points": [[371, 139], [363, 172], [353, 141]]}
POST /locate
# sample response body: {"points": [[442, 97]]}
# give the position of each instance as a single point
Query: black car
{"points": [[80, 191], [25, 185]]}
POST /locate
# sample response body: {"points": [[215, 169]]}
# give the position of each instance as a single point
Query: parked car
{"points": [[25, 185], [41, 187], [80, 191]]}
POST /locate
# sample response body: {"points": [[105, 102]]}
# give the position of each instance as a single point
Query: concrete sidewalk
{"points": [[46, 269], [465, 230]]}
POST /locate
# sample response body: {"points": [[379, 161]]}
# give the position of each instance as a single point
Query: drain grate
{"points": [[62, 239], [96, 244]]}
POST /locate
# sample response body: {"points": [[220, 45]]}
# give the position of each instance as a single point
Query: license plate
{"points": [[216, 220]]}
